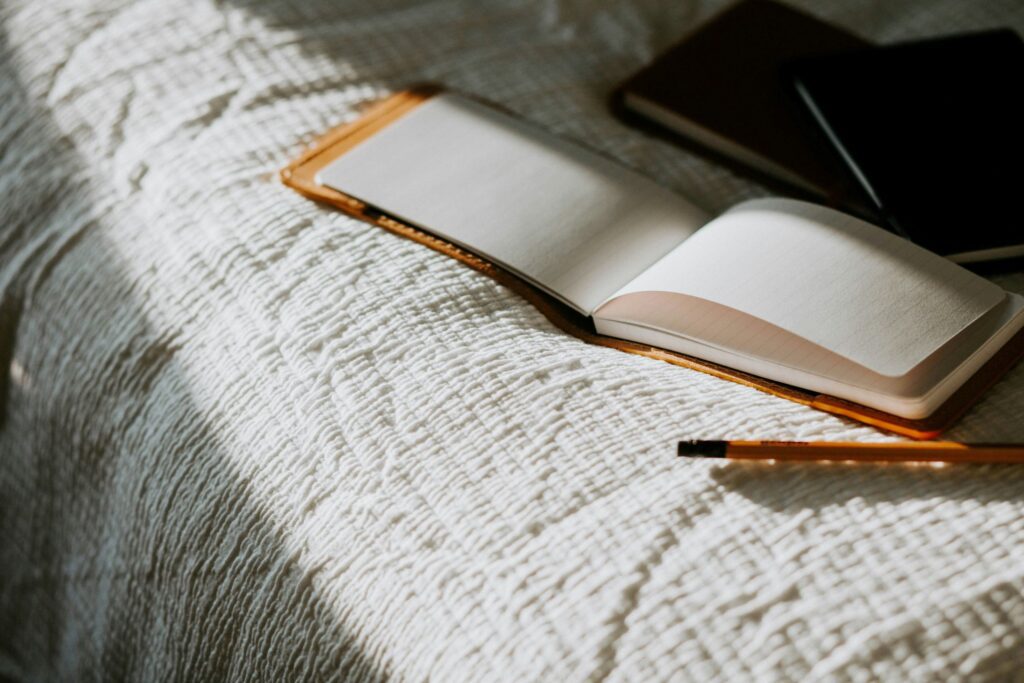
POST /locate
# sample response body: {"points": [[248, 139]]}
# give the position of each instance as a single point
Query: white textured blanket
{"points": [[246, 436]]}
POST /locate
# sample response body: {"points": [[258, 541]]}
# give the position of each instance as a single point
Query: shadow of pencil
{"points": [[799, 486], [130, 545]]}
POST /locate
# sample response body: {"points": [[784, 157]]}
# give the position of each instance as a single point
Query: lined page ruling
{"points": [[565, 218], [832, 279]]}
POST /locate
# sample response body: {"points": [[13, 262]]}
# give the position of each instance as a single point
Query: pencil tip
{"points": [[702, 449]]}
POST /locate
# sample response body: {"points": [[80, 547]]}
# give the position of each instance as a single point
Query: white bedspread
{"points": [[245, 436]]}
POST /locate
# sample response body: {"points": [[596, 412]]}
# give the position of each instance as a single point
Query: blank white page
{"points": [[569, 220], [839, 282]]}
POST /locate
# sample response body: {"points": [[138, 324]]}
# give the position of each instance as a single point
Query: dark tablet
{"points": [[933, 132]]}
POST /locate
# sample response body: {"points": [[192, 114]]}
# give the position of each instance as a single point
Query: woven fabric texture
{"points": [[247, 437]]}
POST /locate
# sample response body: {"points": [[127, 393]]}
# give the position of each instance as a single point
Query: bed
{"points": [[244, 436]]}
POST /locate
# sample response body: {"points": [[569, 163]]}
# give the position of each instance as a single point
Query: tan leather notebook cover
{"points": [[301, 176]]}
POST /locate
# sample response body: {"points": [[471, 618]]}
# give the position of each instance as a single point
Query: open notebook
{"points": [[789, 291]]}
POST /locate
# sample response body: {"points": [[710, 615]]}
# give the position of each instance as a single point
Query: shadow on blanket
{"points": [[797, 486], [130, 549]]}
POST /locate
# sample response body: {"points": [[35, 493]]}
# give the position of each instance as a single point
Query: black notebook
{"points": [[933, 132], [721, 87]]}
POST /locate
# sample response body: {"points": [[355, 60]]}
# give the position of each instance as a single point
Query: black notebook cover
{"points": [[933, 131], [722, 87]]}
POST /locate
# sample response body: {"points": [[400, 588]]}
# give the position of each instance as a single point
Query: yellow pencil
{"points": [[848, 451]]}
